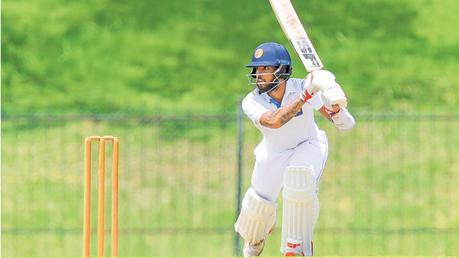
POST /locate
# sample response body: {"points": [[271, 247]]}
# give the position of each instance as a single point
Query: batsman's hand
{"points": [[323, 80], [334, 96]]}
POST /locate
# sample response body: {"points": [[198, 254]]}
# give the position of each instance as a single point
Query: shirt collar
{"points": [[289, 88], [274, 102]]}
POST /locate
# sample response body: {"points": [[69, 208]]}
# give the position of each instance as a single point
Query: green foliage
{"points": [[178, 56]]}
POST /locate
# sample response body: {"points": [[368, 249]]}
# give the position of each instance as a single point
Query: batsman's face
{"points": [[264, 76]]}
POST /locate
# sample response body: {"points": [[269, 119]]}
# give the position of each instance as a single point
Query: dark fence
{"points": [[389, 187]]}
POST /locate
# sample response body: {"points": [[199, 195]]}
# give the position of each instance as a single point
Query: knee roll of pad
{"points": [[300, 210], [257, 217]]}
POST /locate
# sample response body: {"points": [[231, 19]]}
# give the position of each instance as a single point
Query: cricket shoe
{"points": [[294, 248], [253, 249]]}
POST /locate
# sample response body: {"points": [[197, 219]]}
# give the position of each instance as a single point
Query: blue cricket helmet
{"points": [[271, 54]]}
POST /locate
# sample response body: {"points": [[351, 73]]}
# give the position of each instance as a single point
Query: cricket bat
{"points": [[296, 34]]}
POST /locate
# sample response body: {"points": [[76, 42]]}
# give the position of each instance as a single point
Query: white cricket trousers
{"points": [[267, 177]]}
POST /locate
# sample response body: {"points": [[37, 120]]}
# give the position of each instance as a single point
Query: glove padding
{"points": [[323, 80], [334, 96]]}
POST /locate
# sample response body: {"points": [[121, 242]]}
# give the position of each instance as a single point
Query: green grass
{"points": [[389, 188]]}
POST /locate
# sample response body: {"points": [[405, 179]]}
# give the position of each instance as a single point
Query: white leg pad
{"points": [[300, 211], [257, 217]]}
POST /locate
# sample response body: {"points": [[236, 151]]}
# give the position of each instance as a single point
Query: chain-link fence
{"points": [[389, 186]]}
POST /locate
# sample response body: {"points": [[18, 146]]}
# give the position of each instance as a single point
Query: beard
{"points": [[265, 86]]}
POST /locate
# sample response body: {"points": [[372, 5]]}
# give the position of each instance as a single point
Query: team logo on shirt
{"points": [[258, 53]]}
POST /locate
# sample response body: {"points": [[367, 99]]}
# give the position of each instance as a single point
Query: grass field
{"points": [[389, 188]]}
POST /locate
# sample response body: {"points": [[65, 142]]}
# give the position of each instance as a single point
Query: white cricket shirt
{"points": [[300, 128]]}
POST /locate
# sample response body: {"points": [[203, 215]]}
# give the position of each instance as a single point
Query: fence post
{"points": [[240, 134]]}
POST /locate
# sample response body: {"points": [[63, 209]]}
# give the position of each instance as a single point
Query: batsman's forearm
{"points": [[279, 117]]}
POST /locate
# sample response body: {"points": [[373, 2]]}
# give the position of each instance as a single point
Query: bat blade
{"points": [[296, 34]]}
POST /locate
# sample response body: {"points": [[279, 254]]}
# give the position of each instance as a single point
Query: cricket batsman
{"points": [[292, 154]]}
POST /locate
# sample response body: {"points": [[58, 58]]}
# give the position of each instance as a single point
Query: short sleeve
{"points": [[253, 109]]}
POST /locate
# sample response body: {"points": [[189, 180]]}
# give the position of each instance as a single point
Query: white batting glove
{"points": [[309, 87], [317, 81], [323, 80], [334, 96]]}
